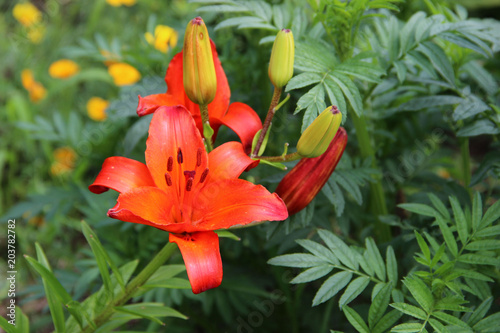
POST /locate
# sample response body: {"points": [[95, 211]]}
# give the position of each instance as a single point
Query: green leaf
{"points": [[480, 312], [439, 205], [419, 209], [318, 250], [423, 247], [473, 274], [379, 305], [420, 103], [55, 306], [488, 324], [487, 244], [22, 321], [489, 232], [312, 274], [460, 220], [303, 80], [8, 328], [236, 21], [469, 108], [51, 280], [449, 319], [408, 328], [392, 265], [448, 236], [353, 290], [350, 91], [440, 328], [339, 248], [491, 215], [420, 292], [477, 211], [335, 95], [410, 310], [331, 287], [234, 8], [439, 60], [300, 260], [227, 234], [375, 258], [165, 272], [171, 283], [477, 259], [355, 319], [480, 127], [387, 321]]}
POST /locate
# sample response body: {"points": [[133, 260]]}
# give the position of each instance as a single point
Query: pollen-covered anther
{"points": [[168, 179], [170, 164], [198, 157], [180, 159], [189, 184], [204, 175]]}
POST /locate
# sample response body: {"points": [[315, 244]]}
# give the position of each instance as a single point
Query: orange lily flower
{"points": [[239, 117], [187, 192]]}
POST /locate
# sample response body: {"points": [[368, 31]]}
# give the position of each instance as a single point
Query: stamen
{"points": [[168, 179], [189, 174], [180, 159], [198, 157], [204, 175], [189, 184], [170, 164]]}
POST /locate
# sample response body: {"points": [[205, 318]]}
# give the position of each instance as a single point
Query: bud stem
{"points": [[282, 158], [270, 114], [207, 130]]}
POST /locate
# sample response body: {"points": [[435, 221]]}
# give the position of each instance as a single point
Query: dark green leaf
{"points": [[349, 90], [420, 292], [480, 127], [379, 305], [487, 244], [460, 220], [387, 321], [318, 250], [408, 328], [448, 236], [439, 60], [312, 274], [410, 310], [355, 319], [478, 259], [392, 265], [439, 205], [491, 215], [296, 260], [488, 324], [353, 290], [375, 258], [339, 248], [331, 287], [480, 312], [449, 319]]}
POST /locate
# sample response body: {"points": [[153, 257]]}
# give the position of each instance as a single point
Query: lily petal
{"points": [[173, 136], [121, 174], [149, 104], [244, 121], [145, 205], [230, 202], [200, 251], [228, 161]]}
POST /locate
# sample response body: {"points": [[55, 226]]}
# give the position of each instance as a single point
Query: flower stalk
{"points": [[269, 118]]}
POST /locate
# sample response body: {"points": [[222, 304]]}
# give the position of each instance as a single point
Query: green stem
{"points": [[377, 195], [132, 287], [281, 158], [270, 114], [465, 154], [207, 130]]}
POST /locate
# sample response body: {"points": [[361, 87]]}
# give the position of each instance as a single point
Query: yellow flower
{"points": [[110, 57], [123, 74], [163, 38], [27, 14], [63, 69], [118, 3], [64, 161], [35, 89], [36, 33], [96, 108]]}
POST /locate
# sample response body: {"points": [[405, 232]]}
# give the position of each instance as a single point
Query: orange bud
{"points": [[281, 64], [299, 187], [200, 81]]}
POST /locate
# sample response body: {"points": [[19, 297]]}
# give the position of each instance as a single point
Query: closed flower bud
{"points": [[281, 63], [299, 187], [316, 138], [200, 81]]}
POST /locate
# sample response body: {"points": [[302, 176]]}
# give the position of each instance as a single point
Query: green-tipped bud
{"points": [[200, 81], [281, 63], [316, 138]]}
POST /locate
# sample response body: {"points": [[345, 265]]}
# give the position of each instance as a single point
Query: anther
{"points": [[189, 184], [179, 156], [198, 157], [204, 175], [189, 174], [170, 164], [168, 179]]}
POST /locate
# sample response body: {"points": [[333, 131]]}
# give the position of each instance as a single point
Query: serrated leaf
{"points": [[410, 310], [353, 290], [331, 287], [154, 310], [420, 103], [234, 8], [312, 274], [440, 328], [301, 260], [375, 258], [486, 244], [439, 205], [491, 215], [478, 259], [448, 236], [335, 94], [462, 228], [355, 319], [480, 127], [350, 91], [489, 232], [423, 247], [473, 274], [480, 312], [392, 265], [349, 186], [303, 80], [439, 60], [318, 250], [420, 292], [235, 21], [408, 328], [449, 319], [469, 108], [339, 248], [387, 321], [379, 305]]}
